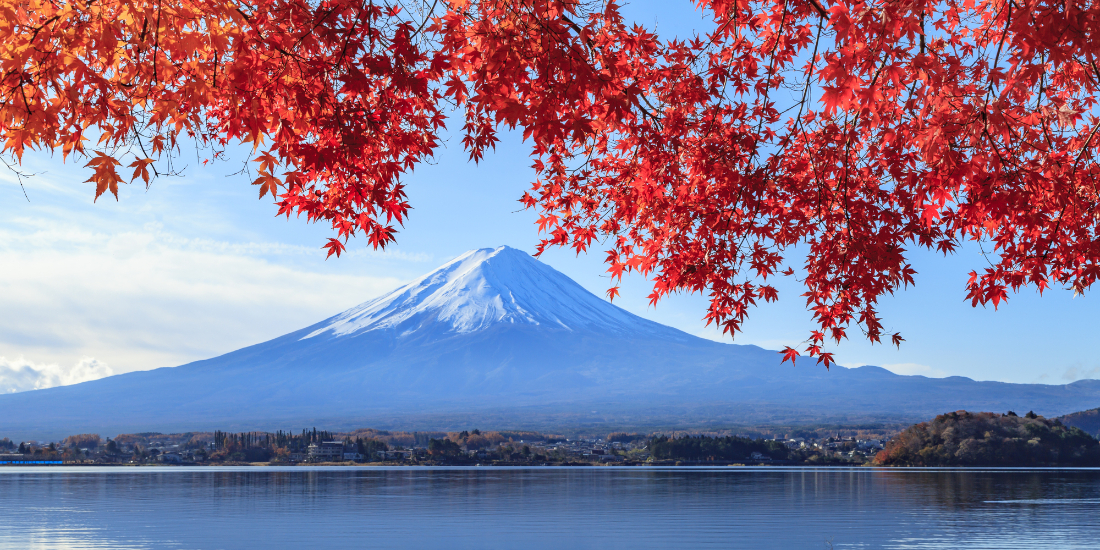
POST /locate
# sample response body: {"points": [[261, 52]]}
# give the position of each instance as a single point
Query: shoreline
{"points": [[662, 464], [258, 466]]}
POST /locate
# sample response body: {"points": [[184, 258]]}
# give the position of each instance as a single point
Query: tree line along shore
{"points": [[959, 438]]}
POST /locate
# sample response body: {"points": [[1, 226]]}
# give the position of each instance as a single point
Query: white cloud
{"points": [[907, 369], [144, 298], [19, 374], [1073, 373], [1080, 372], [714, 334]]}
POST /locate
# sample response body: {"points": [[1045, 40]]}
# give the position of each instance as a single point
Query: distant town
{"points": [[958, 438], [468, 447]]}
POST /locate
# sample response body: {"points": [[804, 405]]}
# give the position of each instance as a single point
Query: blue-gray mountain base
{"points": [[497, 338]]}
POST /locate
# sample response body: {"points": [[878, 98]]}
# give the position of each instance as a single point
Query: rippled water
{"points": [[551, 508]]}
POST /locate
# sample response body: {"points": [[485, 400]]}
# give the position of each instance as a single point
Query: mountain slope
{"points": [[488, 287], [1086, 420], [497, 335]]}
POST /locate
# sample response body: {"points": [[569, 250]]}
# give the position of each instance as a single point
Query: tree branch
{"points": [[818, 8]]}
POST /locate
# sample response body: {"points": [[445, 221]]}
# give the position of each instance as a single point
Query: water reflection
{"points": [[207, 508]]}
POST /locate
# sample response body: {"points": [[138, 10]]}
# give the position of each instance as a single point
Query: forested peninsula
{"points": [[988, 439]]}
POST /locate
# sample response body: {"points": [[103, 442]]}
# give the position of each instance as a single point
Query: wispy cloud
{"points": [[1080, 372], [1073, 373], [144, 297], [711, 333], [906, 369], [19, 374]]}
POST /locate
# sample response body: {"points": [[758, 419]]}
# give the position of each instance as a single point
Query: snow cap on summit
{"points": [[483, 288]]}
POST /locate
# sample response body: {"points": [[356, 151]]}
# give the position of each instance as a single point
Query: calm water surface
{"points": [[547, 508]]}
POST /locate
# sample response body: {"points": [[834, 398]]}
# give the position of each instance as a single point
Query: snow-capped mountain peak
{"points": [[483, 288]]}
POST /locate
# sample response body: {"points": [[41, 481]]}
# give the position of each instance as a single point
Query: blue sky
{"points": [[197, 266]]}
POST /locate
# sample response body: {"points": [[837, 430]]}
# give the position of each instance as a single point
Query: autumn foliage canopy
{"points": [[855, 130], [963, 438]]}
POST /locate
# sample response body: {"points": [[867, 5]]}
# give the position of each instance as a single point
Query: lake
{"points": [[546, 508]]}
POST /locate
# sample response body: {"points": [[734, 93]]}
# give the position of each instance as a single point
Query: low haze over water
{"points": [[552, 508]]}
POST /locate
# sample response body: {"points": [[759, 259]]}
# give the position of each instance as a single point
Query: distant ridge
{"points": [[496, 337], [1088, 421]]}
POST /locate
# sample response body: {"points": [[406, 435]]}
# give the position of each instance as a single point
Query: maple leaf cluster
{"points": [[852, 130]]}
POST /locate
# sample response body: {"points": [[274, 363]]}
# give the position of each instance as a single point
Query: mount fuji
{"points": [[497, 337]]}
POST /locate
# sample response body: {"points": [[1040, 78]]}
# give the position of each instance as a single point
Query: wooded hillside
{"points": [[1088, 421], [714, 448], [988, 439]]}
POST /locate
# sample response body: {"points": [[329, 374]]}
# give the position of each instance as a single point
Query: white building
{"points": [[327, 451]]}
